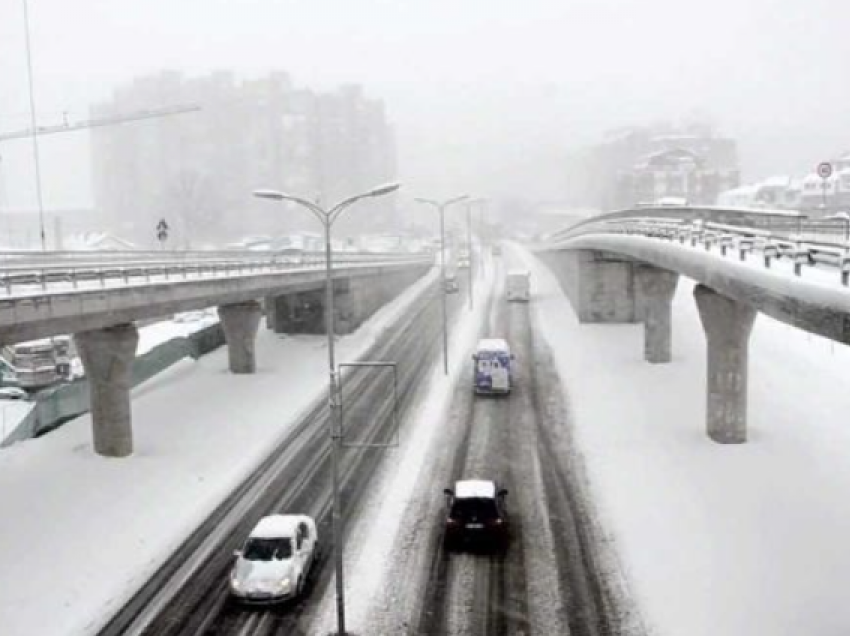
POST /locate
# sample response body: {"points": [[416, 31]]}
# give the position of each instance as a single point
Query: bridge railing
{"points": [[803, 241], [72, 270]]}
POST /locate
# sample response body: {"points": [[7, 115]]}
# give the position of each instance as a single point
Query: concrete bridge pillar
{"points": [[107, 356], [239, 322], [599, 285], [656, 288], [727, 325]]}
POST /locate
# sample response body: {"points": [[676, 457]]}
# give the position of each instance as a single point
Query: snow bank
{"points": [[81, 533], [731, 540]]}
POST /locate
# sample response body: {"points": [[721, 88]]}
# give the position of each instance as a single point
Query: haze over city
{"points": [[490, 95], [424, 317]]}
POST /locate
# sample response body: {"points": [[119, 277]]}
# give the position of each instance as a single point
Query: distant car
{"points": [[13, 393], [497, 250], [476, 516], [275, 561], [451, 286]]}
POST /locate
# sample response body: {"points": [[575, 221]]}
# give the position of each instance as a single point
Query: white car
{"points": [[275, 561]]}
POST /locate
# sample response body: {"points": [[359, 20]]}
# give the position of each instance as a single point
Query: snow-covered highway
{"points": [[626, 519]]}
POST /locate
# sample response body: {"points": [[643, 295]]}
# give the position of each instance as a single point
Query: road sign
{"points": [[825, 170], [162, 231]]}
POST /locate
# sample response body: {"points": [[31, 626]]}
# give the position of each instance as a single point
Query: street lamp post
{"points": [[327, 218], [469, 249], [441, 206]]}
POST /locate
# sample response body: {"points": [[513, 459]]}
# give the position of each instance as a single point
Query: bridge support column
{"points": [[107, 356], [727, 325], [656, 288], [239, 322], [600, 286]]}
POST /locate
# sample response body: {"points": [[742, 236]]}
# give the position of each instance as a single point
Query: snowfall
{"points": [[732, 540]]}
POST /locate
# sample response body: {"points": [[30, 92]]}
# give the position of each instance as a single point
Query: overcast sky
{"points": [[486, 95]]}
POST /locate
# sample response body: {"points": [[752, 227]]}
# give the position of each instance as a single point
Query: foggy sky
{"points": [[487, 96]]}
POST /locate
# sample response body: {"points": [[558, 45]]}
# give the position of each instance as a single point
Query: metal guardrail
{"points": [[74, 268], [804, 242]]}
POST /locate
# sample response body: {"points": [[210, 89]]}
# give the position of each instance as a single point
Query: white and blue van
{"points": [[493, 361]]}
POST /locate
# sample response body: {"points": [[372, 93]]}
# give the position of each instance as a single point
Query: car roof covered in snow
{"points": [[493, 344], [475, 488], [275, 526], [519, 272]]}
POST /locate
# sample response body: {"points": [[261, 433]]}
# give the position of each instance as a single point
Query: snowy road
{"points": [[556, 577], [189, 594], [553, 579]]}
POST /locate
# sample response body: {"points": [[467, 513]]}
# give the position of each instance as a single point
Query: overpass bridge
{"points": [[99, 297], [623, 267]]}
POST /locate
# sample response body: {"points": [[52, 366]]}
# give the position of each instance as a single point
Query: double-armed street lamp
{"points": [[441, 206], [327, 218]]}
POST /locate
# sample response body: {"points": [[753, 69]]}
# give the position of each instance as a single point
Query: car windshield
{"points": [[267, 549], [474, 509]]}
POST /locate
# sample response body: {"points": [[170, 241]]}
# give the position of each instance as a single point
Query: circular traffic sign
{"points": [[825, 170]]}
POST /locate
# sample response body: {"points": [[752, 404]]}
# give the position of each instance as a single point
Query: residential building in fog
{"points": [[651, 163], [197, 170], [810, 193]]}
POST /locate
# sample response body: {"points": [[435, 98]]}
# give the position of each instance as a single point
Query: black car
{"points": [[476, 515]]}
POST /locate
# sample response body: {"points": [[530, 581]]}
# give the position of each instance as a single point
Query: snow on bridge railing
{"points": [[56, 275], [776, 235], [32, 257]]}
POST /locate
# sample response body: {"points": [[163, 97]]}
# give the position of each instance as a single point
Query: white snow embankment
{"points": [[81, 533], [371, 539], [732, 540]]}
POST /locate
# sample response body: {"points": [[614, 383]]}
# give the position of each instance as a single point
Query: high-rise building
{"points": [[197, 170]]}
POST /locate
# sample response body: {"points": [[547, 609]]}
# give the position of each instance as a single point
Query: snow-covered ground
{"points": [[182, 325], [150, 336], [12, 412], [81, 532], [732, 540]]}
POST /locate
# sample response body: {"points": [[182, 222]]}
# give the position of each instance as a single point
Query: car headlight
{"points": [[234, 583], [283, 585]]}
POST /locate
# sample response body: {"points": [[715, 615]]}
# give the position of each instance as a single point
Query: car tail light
{"points": [[498, 522], [451, 521]]}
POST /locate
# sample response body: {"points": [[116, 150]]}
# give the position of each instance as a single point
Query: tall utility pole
{"points": [[327, 218], [35, 153], [469, 250], [441, 206]]}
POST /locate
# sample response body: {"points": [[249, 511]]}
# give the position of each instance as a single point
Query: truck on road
{"points": [[518, 286]]}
